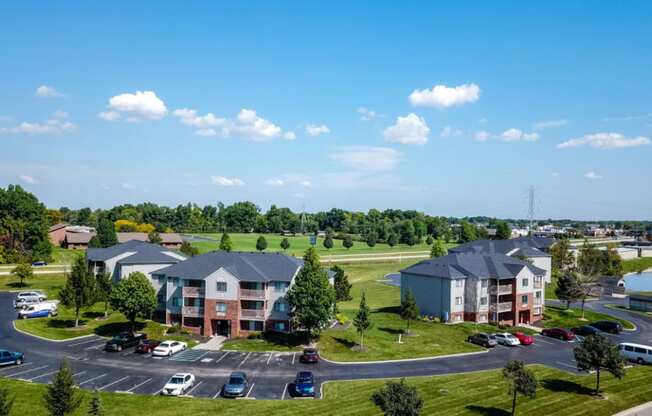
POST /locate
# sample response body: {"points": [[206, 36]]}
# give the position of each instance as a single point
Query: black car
{"points": [[124, 340], [585, 330], [611, 327]]}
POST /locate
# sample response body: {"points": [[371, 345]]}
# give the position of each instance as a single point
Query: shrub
{"points": [[255, 335]]}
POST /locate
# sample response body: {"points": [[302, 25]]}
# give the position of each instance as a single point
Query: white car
{"points": [[38, 310], [168, 348], [179, 384], [507, 339], [32, 294]]}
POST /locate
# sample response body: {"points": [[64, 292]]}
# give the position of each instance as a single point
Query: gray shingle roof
{"points": [[78, 238], [534, 246], [143, 253], [463, 265], [256, 267]]}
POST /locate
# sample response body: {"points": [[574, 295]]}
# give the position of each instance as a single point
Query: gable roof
{"points": [[124, 237], [78, 238], [533, 246], [141, 253], [58, 226], [474, 265], [255, 267]]}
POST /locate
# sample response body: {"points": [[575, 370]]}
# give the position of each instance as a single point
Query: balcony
{"points": [[538, 301], [193, 311], [252, 294], [193, 292], [501, 307], [501, 290], [252, 313], [538, 284]]}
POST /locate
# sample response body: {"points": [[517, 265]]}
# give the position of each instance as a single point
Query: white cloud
{"points": [[366, 114], [605, 141], [127, 185], [276, 182], [289, 135], [481, 136], [442, 96], [306, 184], [60, 114], [316, 130], [410, 129], [449, 131], [52, 126], [249, 125], [513, 135], [549, 124], [206, 132], [135, 107], [592, 175], [46, 91], [228, 182], [365, 158], [28, 179], [205, 122]]}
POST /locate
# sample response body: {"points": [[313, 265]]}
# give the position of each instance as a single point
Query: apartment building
{"points": [[227, 293], [477, 287]]}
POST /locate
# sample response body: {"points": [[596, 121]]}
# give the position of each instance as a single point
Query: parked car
{"points": [[524, 338], [124, 340], [507, 339], [585, 330], [168, 348], [24, 302], [39, 263], [236, 385], [147, 345], [38, 310], [179, 384], [639, 353], [11, 357], [611, 327], [310, 355], [32, 293], [304, 384], [559, 333], [485, 340]]}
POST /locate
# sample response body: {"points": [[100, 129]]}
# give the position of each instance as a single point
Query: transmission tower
{"points": [[303, 218], [531, 207]]}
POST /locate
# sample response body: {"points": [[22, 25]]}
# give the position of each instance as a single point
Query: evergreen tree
{"points": [[95, 242], [597, 353], [96, 406], [22, 271], [568, 288], [104, 286], [106, 233], [341, 284], [503, 232], [6, 403], [62, 397], [188, 249], [261, 243], [311, 298], [372, 238], [398, 399], [438, 249], [134, 297], [392, 240], [328, 242], [155, 238], [347, 242], [362, 320], [521, 381], [285, 244], [409, 309], [225, 242], [79, 291], [429, 240]]}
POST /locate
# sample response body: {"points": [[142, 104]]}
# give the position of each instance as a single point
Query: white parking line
{"points": [[42, 375], [82, 343], [294, 354], [27, 371], [218, 393], [221, 358], [250, 388], [111, 384], [269, 358], [140, 384], [93, 379], [285, 389], [13, 368], [245, 359], [95, 347], [194, 387], [79, 374]]}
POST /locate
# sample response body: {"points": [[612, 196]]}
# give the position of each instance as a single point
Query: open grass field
{"points": [[62, 255], [555, 316], [481, 393], [638, 265], [50, 283]]}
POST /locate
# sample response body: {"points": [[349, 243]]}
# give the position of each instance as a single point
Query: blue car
{"points": [[11, 357], [304, 384]]}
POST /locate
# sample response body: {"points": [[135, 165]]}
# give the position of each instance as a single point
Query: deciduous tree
{"points": [[392, 240], [189, 250], [155, 238], [398, 399], [347, 242], [597, 353], [22, 271], [79, 291], [438, 249], [409, 309], [103, 287], [328, 242], [372, 238], [568, 288], [521, 380], [134, 297], [106, 233], [503, 232]]}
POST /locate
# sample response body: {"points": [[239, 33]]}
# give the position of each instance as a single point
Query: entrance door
{"points": [[222, 327], [524, 317]]}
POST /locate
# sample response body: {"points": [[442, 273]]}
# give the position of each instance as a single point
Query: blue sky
{"points": [[451, 109]]}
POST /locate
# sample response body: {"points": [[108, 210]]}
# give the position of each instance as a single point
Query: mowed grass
{"points": [[555, 316], [62, 255], [638, 265], [50, 283], [479, 393]]}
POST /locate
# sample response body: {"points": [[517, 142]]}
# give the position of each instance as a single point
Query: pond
{"points": [[638, 282], [393, 279]]}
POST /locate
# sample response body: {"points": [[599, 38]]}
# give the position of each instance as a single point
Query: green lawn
{"points": [[637, 265], [50, 283], [555, 316], [62, 255], [481, 393]]}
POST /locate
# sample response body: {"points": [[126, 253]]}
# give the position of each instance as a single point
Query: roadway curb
{"points": [[634, 411], [405, 360], [13, 323]]}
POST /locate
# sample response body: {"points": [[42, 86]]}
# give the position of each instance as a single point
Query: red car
{"points": [[310, 355], [559, 333], [524, 338], [147, 346]]}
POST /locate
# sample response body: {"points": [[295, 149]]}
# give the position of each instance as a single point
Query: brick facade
{"points": [[232, 315]]}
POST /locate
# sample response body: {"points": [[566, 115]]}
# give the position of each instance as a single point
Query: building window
{"points": [[251, 325], [484, 284], [279, 326], [220, 307], [279, 306], [221, 287], [176, 302], [525, 282], [160, 298], [161, 280], [524, 300], [537, 311], [458, 283], [458, 300], [483, 300], [280, 286], [538, 295]]}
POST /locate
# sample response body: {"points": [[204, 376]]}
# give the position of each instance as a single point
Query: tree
{"points": [[562, 257], [467, 232], [285, 244], [521, 381], [398, 399], [347, 242], [62, 397], [155, 238], [104, 286], [503, 232], [96, 406], [106, 233], [94, 242], [134, 297], [597, 353], [311, 298], [261, 243], [362, 320], [341, 284], [438, 249], [225, 243], [328, 242], [392, 240], [429, 240], [372, 237], [409, 309], [187, 249], [568, 288], [79, 291], [6, 403], [22, 271]]}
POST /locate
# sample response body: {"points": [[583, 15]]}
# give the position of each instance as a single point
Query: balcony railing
{"points": [[252, 313], [193, 311], [538, 284], [193, 292], [501, 307], [537, 301], [252, 293], [501, 290]]}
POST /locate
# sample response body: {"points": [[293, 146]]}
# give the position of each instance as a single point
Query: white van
{"points": [[39, 310], [641, 354]]}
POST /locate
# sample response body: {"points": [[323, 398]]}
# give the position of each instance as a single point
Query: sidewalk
{"points": [[642, 410]]}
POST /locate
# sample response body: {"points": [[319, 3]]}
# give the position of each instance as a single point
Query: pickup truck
{"points": [[124, 340]]}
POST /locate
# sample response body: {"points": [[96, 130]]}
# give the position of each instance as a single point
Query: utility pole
{"points": [[531, 208]]}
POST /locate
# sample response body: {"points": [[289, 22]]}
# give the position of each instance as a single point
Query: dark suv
{"points": [[486, 340], [611, 327], [585, 330], [124, 340], [310, 355]]}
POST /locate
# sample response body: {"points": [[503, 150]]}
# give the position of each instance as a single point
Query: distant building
{"points": [[77, 240], [168, 240], [57, 233]]}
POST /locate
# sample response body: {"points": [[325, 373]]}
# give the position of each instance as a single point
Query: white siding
{"points": [[544, 263], [232, 285]]}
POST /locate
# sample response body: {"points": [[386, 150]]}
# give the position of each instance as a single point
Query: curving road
{"points": [[270, 374]]}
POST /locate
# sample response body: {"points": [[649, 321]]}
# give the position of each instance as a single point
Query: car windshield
{"points": [[236, 380], [164, 344], [310, 352], [491, 337], [176, 380], [303, 378]]}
